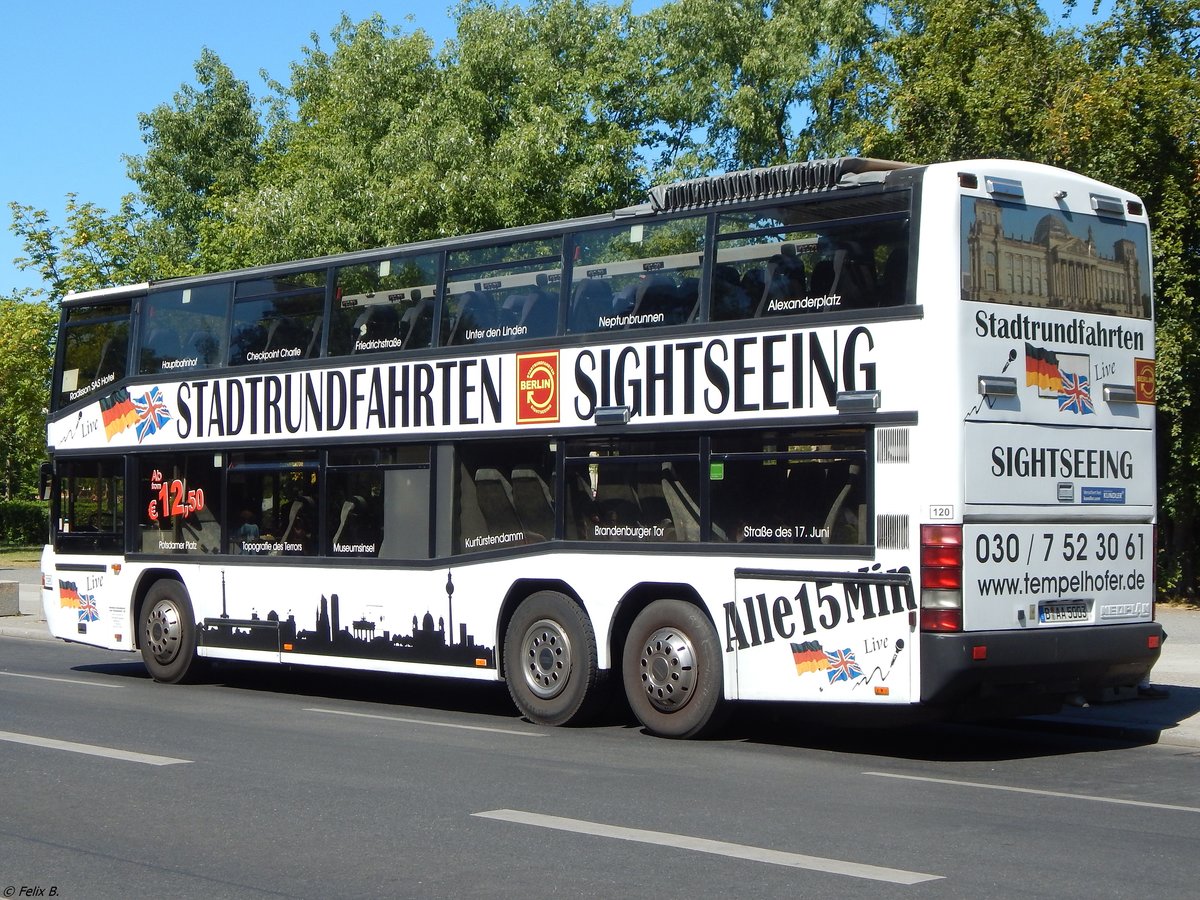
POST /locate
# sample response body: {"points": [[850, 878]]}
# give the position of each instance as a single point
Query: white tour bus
{"points": [[847, 431]]}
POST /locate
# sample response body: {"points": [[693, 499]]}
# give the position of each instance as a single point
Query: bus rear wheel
{"points": [[167, 633], [550, 660], [671, 668]]}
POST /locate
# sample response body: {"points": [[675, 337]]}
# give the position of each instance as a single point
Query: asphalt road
{"points": [[269, 783]]}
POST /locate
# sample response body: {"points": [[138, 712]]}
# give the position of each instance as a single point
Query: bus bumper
{"points": [[987, 672]]}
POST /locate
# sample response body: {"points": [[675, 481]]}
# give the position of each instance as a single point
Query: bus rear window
{"points": [[1032, 256]]}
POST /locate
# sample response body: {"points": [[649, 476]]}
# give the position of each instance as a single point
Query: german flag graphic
{"points": [[68, 594], [1041, 370], [118, 413], [809, 657]]}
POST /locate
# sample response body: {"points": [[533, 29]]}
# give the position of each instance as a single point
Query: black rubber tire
{"points": [[167, 633], [672, 670], [550, 660]]}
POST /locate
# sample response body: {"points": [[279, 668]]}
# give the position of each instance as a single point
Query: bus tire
{"points": [[672, 670], [550, 660], [167, 632]]}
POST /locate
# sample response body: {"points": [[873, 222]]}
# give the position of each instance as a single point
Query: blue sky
{"points": [[74, 75]]}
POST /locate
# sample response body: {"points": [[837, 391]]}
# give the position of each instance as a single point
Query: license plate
{"points": [[1063, 612]]}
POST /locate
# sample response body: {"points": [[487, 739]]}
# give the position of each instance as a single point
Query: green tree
{"points": [[26, 354], [1130, 115], [513, 121], [201, 149], [745, 83], [966, 79], [93, 249]]}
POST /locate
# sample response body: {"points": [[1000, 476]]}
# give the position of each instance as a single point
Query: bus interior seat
{"points": [[590, 299], [496, 503], [785, 279], [417, 325], [285, 332], [854, 277], [379, 322], [476, 312], [894, 282], [684, 511], [301, 505], [539, 314], [314, 337], [688, 291], [534, 503], [616, 498], [353, 511], [823, 277], [581, 508], [657, 295], [471, 523], [729, 300], [625, 300], [754, 283], [842, 511]]}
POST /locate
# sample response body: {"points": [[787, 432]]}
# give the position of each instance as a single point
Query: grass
{"points": [[20, 557]]}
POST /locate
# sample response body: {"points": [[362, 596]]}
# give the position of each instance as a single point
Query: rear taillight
{"points": [[941, 577]]}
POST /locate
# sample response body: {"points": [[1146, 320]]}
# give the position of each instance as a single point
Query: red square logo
{"points": [[1143, 380], [537, 387]]}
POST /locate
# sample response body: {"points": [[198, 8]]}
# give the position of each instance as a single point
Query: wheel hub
{"points": [[668, 669], [546, 650], [164, 631]]}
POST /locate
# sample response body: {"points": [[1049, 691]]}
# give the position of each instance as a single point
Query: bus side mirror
{"points": [[46, 482]]}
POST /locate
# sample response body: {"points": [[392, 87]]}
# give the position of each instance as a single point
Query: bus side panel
{"points": [[87, 600], [347, 618], [831, 637]]}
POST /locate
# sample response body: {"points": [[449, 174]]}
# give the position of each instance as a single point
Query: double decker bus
{"points": [[844, 432]]}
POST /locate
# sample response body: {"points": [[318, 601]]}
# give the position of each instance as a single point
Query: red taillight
{"points": [[941, 557], [941, 578], [941, 620]]}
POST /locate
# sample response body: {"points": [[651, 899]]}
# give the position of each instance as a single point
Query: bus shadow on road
{"points": [[865, 731], [860, 731]]}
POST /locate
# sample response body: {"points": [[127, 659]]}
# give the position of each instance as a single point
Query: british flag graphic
{"points": [[1076, 395], [87, 608], [842, 665], [152, 413]]}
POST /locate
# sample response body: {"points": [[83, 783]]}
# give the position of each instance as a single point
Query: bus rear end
{"points": [[1039, 589]]}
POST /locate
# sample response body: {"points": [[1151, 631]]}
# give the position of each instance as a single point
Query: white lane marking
{"points": [[718, 848], [63, 680], [1022, 790], [90, 749], [406, 721]]}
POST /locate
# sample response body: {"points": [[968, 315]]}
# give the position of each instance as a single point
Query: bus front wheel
{"points": [[167, 632], [550, 660], [671, 668]]}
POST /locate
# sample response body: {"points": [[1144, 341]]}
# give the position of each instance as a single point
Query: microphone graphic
{"points": [[899, 647], [1012, 354]]}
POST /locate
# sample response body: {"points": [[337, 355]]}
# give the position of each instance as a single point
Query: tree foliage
{"points": [[557, 108], [26, 354]]}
